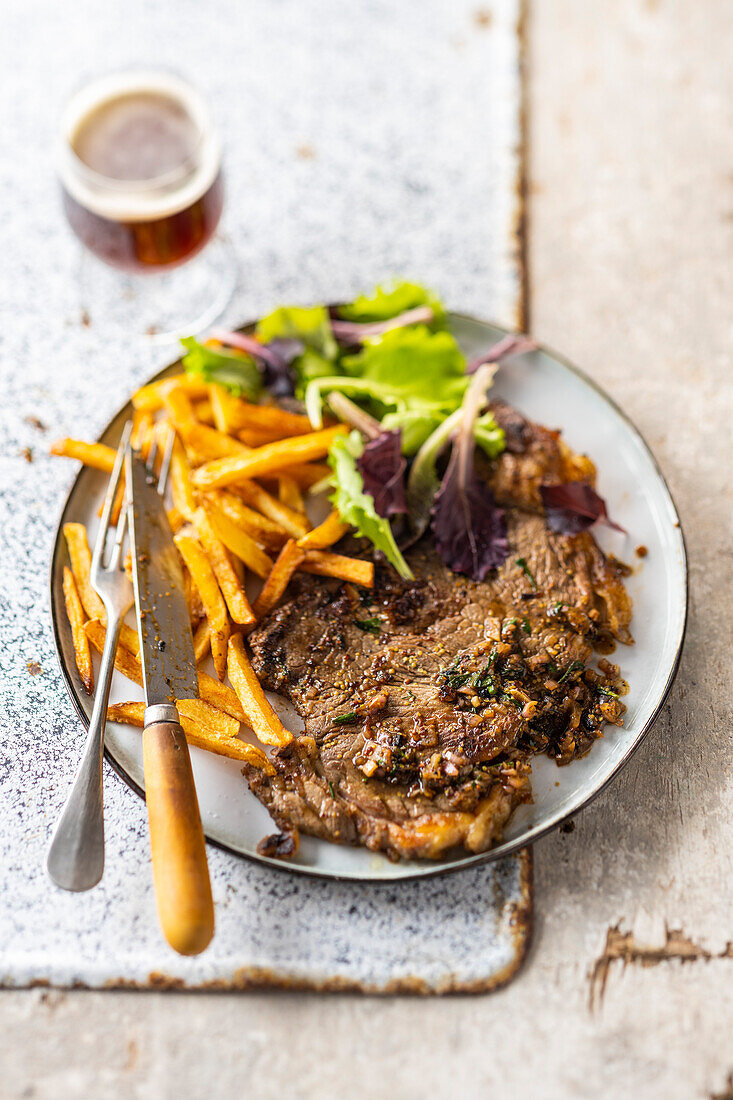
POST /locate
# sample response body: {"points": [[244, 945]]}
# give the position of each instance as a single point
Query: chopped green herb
{"points": [[574, 666], [344, 719], [557, 607], [485, 683], [526, 570], [526, 627], [369, 626], [330, 787], [607, 691], [453, 678]]}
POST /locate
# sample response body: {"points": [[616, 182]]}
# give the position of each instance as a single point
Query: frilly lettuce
{"points": [[357, 507]]}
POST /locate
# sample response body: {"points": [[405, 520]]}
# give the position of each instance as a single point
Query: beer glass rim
{"points": [[96, 90]]}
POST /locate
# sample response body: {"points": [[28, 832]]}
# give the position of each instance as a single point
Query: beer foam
{"points": [[131, 200]]}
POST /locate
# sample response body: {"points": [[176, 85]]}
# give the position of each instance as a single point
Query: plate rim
{"points": [[519, 846]]}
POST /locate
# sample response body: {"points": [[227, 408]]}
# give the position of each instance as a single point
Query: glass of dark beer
{"points": [[140, 168]]}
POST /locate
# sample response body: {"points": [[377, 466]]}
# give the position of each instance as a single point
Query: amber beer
{"points": [[140, 169]]}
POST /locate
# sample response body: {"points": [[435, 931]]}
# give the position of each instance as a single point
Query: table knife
{"points": [[180, 869]]}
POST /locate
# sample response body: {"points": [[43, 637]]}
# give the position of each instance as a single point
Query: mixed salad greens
{"points": [[387, 364]]}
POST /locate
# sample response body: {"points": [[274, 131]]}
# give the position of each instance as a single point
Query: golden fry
{"points": [[231, 589], [289, 493], [77, 617], [201, 646], [308, 474], [178, 406], [180, 480], [272, 458], [221, 402], [97, 455], [208, 716], [269, 420], [126, 661], [259, 714], [150, 398], [266, 531], [253, 494], [253, 439], [208, 443], [213, 601], [326, 534], [239, 542], [81, 563], [274, 587], [204, 413], [202, 737], [337, 565]]}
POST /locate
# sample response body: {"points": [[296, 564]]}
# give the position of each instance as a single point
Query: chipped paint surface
{"points": [[625, 948], [408, 162]]}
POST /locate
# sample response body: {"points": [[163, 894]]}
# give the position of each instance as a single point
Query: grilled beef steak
{"points": [[424, 701]]}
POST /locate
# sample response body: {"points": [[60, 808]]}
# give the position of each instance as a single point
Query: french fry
{"points": [[127, 661], [268, 419], [263, 530], [150, 398], [81, 563], [208, 716], [204, 413], [208, 443], [272, 458], [253, 494], [213, 601], [201, 645], [259, 714], [336, 565], [326, 534], [253, 438], [228, 581], [274, 587], [308, 474], [132, 714], [289, 493], [175, 519], [221, 402], [180, 480], [239, 542], [77, 617], [178, 406], [97, 455]]}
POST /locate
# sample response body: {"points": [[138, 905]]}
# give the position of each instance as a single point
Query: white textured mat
{"points": [[362, 140]]}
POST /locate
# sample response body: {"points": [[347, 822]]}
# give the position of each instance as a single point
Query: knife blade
{"points": [[178, 852], [166, 643]]}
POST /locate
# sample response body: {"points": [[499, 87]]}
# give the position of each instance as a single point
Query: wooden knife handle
{"points": [[180, 869]]}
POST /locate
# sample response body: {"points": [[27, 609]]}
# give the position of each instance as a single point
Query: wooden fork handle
{"points": [[180, 868]]}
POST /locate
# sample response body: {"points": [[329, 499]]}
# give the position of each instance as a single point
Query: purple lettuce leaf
{"points": [[508, 345], [382, 468], [352, 333], [275, 357], [573, 507], [469, 528]]}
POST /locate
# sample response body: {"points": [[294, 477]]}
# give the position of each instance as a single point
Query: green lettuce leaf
{"points": [[412, 375], [489, 436], [357, 507], [390, 300], [233, 369], [312, 325]]}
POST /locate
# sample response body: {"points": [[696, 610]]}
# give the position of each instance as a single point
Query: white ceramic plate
{"points": [[554, 393]]}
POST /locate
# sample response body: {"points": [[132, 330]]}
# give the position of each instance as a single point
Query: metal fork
{"points": [[76, 854]]}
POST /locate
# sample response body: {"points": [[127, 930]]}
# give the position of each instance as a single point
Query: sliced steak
{"points": [[423, 702]]}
